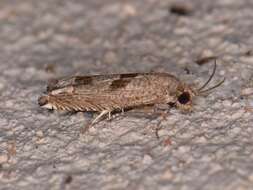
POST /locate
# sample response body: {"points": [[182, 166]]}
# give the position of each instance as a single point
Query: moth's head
{"points": [[186, 94], [184, 97]]}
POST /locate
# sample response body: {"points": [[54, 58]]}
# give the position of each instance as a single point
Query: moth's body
{"points": [[112, 92], [107, 93]]}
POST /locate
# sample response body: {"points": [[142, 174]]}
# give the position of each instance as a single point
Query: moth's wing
{"points": [[108, 84], [109, 92], [123, 92], [88, 81], [77, 102], [55, 84]]}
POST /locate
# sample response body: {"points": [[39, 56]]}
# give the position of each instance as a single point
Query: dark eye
{"points": [[184, 98]]}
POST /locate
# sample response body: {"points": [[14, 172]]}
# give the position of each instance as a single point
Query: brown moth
{"points": [[108, 93]]}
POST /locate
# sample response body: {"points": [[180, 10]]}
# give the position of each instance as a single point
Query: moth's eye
{"points": [[184, 98]]}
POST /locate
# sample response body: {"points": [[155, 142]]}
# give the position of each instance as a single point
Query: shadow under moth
{"points": [[117, 92]]}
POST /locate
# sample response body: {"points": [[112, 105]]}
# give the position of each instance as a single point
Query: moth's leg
{"points": [[86, 128], [163, 111], [112, 116], [109, 115], [159, 126], [158, 108], [104, 112]]}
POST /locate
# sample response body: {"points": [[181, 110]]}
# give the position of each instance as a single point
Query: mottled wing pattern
{"points": [[110, 92], [89, 83]]}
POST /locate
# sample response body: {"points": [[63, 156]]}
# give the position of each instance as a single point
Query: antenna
{"points": [[213, 87], [210, 78]]}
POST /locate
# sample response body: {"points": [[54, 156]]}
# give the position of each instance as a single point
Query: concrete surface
{"points": [[210, 148]]}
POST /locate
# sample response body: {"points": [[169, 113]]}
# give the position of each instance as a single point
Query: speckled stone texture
{"points": [[210, 148]]}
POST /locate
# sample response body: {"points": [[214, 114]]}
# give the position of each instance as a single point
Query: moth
{"points": [[118, 92]]}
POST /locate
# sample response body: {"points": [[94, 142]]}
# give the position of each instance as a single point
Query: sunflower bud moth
{"points": [[118, 92]]}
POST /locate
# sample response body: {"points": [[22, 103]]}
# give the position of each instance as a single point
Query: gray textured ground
{"points": [[211, 148]]}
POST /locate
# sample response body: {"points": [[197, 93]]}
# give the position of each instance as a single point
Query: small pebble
{"points": [[237, 114], [227, 103], [39, 133], [205, 56], [184, 149], [111, 57], [147, 159], [129, 10], [181, 9], [1, 86], [167, 175], [250, 177], [247, 92]]}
